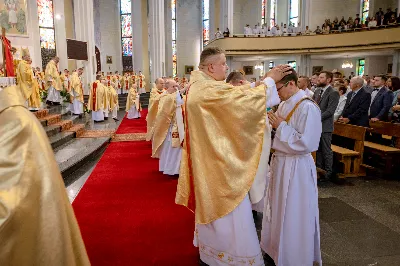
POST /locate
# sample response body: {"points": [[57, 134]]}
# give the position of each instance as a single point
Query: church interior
{"points": [[108, 82]]}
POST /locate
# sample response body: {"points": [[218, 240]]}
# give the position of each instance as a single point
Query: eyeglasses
{"points": [[284, 85]]}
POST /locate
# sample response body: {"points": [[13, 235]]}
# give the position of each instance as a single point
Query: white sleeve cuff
{"points": [[271, 93]]}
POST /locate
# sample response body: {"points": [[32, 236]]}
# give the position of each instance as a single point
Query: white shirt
{"points": [[340, 107], [218, 34]]}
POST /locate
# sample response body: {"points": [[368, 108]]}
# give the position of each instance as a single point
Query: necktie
{"points": [[352, 96], [318, 99]]}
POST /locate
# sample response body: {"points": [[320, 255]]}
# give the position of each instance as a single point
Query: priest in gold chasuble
{"points": [[76, 92], [53, 82], [169, 130], [133, 107], [114, 105], [225, 128], [97, 99], [155, 95], [37, 223]]}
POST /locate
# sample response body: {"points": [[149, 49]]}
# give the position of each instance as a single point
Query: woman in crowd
{"points": [[342, 102]]}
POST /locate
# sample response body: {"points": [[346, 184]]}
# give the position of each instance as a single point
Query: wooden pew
{"points": [[390, 155], [350, 158]]}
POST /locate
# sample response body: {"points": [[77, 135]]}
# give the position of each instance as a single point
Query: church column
{"points": [[137, 55], [61, 38], [213, 25], [268, 13], [396, 63], [84, 31], [226, 17], [157, 38], [304, 16], [304, 65], [282, 12]]}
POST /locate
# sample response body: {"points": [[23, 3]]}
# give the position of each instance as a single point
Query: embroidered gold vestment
{"points": [[224, 138], [37, 223]]}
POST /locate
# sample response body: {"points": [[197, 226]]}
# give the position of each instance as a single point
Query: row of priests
{"points": [[123, 83], [165, 127], [103, 99]]}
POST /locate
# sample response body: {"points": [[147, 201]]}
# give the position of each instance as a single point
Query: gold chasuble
{"points": [[224, 137], [113, 97], [97, 96], [76, 87], [35, 101], [25, 79], [37, 223], [52, 76], [155, 96], [132, 100], [165, 116]]}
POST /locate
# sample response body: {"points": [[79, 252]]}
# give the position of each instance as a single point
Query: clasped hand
{"points": [[275, 119]]}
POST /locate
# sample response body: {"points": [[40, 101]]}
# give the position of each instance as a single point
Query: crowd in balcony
{"points": [[379, 20]]}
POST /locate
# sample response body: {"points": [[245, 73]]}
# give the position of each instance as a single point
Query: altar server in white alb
{"points": [[76, 93], [133, 107], [290, 231], [169, 130]]}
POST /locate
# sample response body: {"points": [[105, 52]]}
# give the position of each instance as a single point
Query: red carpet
{"points": [[126, 210], [133, 125]]}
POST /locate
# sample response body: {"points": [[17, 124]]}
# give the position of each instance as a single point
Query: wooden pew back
{"points": [[356, 133], [386, 128]]}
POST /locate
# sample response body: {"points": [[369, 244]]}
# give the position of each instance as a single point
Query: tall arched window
{"points": [[294, 12], [364, 10], [272, 13], [126, 34], [206, 22], [263, 12], [174, 57], [46, 30]]}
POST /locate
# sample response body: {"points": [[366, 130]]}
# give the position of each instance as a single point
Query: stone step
{"points": [[61, 138], [51, 119], [52, 130], [73, 154]]}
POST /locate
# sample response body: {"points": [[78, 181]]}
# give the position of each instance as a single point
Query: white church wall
{"points": [[189, 32], [331, 64], [375, 65], [329, 9], [32, 39], [110, 35], [245, 12]]}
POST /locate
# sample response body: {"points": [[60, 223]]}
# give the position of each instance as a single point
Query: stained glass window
{"points": [[126, 26], [46, 30], [47, 38], [361, 67], [126, 33], [292, 64], [272, 13], [294, 12], [173, 31], [364, 10], [45, 12], [126, 46], [263, 11], [126, 7], [206, 22]]}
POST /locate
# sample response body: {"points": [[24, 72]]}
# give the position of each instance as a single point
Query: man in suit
{"points": [[327, 98], [381, 100], [355, 111]]}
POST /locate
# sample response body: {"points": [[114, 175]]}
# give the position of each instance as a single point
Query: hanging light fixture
{"points": [[347, 64]]}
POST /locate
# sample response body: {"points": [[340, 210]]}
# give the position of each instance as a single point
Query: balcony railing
{"points": [[364, 39]]}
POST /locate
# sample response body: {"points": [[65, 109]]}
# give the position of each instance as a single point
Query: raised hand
{"points": [[279, 72]]}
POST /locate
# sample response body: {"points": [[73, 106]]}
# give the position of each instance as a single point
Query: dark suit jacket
{"points": [[357, 109], [381, 105], [327, 104]]}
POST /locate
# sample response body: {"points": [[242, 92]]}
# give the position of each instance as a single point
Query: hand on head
{"points": [[278, 72]]}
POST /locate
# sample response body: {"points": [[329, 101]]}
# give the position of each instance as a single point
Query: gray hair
{"points": [[359, 81]]}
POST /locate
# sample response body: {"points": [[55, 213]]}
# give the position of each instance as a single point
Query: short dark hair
{"points": [[98, 77], [343, 89], [235, 76], [210, 51], [384, 77], [328, 74], [291, 77], [316, 74]]}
